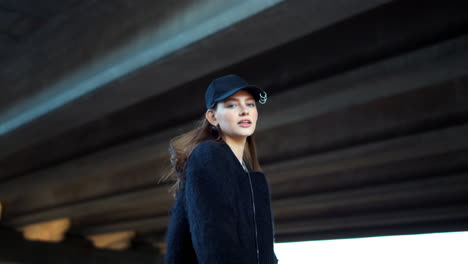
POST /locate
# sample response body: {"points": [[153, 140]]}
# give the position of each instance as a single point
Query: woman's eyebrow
{"points": [[237, 100]]}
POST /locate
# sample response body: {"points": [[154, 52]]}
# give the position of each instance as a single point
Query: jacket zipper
{"points": [[254, 217]]}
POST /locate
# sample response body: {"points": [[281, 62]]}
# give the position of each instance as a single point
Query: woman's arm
{"points": [[210, 211]]}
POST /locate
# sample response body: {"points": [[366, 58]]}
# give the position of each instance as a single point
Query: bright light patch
{"points": [[117, 240], [427, 248], [50, 231]]}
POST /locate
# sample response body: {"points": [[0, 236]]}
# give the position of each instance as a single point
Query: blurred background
{"points": [[364, 133]]}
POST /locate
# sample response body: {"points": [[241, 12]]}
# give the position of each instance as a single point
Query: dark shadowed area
{"points": [[364, 132]]}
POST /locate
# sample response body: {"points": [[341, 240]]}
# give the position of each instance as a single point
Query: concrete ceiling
{"points": [[364, 132]]}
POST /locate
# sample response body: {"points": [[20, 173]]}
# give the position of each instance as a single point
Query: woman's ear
{"points": [[210, 116]]}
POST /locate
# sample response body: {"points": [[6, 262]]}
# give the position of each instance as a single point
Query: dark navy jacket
{"points": [[212, 220]]}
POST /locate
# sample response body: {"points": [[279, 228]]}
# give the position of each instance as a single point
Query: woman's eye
{"points": [[251, 105], [231, 106]]}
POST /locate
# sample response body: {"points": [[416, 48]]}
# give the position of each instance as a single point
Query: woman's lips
{"points": [[245, 123]]}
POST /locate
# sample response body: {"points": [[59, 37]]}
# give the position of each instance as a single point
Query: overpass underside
{"points": [[364, 133]]}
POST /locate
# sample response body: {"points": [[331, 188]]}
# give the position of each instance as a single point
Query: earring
{"points": [[263, 98]]}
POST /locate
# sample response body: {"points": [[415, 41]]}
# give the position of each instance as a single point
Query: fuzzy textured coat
{"points": [[212, 220]]}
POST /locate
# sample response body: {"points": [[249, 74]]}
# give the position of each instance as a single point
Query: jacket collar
{"points": [[233, 158]]}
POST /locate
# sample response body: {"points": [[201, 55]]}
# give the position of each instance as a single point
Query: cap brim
{"points": [[252, 89]]}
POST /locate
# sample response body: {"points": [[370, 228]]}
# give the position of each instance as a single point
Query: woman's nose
{"points": [[244, 110]]}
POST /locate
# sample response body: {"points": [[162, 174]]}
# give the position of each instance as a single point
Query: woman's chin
{"points": [[242, 135]]}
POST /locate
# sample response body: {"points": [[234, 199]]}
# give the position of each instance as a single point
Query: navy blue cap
{"points": [[225, 86]]}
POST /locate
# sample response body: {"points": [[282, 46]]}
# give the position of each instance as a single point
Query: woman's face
{"points": [[236, 116]]}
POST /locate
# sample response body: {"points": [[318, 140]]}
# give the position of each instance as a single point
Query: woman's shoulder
{"points": [[208, 149], [207, 157]]}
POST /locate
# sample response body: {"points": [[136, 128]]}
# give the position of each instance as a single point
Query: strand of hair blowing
{"points": [[182, 146]]}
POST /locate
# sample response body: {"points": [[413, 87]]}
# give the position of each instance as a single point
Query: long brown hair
{"points": [[182, 146]]}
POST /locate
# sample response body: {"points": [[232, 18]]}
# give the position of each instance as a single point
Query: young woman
{"points": [[222, 213]]}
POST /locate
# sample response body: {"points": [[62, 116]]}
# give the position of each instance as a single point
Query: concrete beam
{"points": [[376, 219], [391, 230], [415, 146], [138, 177], [438, 63], [155, 51], [156, 196], [306, 181], [107, 161], [444, 190], [403, 73]]}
